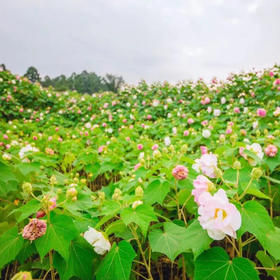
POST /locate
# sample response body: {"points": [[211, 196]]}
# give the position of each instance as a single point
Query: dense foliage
{"points": [[154, 182]]}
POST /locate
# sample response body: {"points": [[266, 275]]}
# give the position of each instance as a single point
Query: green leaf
{"points": [[257, 193], [117, 263], [80, 262], [11, 243], [28, 209], [273, 162], [214, 264], [266, 261], [156, 192], [60, 231], [255, 220], [171, 242], [141, 216], [197, 238], [271, 242]]}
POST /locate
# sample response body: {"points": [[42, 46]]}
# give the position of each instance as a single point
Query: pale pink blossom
{"points": [[101, 149], [207, 164], [186, 133], [190, 121], [155, 147], [136, 166], [218, 216], [204, 150], [261, 112], [180, 172], [236, 110], [271, 150], [139, 146], [201, 184]]}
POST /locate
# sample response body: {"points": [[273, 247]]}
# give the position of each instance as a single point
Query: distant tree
{"points": [[3, 66], [113, 83], [32, 74], [46, 82]]}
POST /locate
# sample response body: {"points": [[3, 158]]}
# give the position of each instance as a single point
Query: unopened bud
{"points": [[117, 194], [84, 181], [156, 154], [218, 173], [256, 173], [139, 191], [233, 138], [136, 203], [27, 188], [236, 165], [184, 148], [211, 187], [71, 193], [101, 195], [53, 180]]}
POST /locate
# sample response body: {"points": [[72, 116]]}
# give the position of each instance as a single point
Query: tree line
{"points": [[84, 82]]}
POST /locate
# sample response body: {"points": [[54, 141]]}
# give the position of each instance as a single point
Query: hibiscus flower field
{"points": [[156, 181]]}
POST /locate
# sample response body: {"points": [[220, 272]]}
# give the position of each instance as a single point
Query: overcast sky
{"points": [[140, 39]]}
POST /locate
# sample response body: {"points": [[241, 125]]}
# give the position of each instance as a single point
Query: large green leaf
{"points": [[117, 263], [171, 242], [255, 220], [175, 239], [156, 192], [214, 264], [60, 231], [11, 243], [142, 216], [197, 238], [80, 262]]}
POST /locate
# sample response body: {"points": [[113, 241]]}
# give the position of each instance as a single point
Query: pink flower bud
{"points": [[139, 146], [180, 172], [186, 133], [271, 150], [203, 149], [261, 112]]}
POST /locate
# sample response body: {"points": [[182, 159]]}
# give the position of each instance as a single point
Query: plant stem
{"points": [[141, 252], [246, 189], [51, 265]]}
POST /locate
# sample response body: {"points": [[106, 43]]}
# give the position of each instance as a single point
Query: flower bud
{"points": [[53, 180], [156, 154], [236, 165], [218, 173], [27, 188], [101, 195], [233, 138], [22, 275], [184, 148], [139, 191], [83, 181], [256, 173], [71, 194], [136, 203], [117, 194]]}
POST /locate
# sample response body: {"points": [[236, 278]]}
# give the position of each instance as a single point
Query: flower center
{"points": [[220, 212]]}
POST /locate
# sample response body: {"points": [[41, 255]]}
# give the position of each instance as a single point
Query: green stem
{"points": [[246, 189], [141, 252]]}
